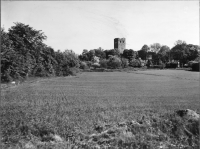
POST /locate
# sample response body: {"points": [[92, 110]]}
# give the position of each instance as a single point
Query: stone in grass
{"points": [[188, 114]]}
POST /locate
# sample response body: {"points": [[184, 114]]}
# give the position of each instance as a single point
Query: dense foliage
{"points": [[23, 54], [143, 53], [185, 52], [153, 56], [114, 62]]}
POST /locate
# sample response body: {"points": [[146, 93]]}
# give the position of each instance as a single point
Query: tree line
{"points": [[155, 54], [24, 54]]}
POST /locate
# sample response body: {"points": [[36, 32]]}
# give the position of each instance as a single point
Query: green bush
{"points": [[135, 63], [125, 62], [114, 62], [73, 71], [6, 77], [89, 63], [83, 65], [103, 63], [40, 71]]}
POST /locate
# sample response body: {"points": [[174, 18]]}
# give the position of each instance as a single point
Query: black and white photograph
{"points": [[116, 74]]}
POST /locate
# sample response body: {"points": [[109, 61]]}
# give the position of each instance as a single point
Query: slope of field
{"points": [[68, 104]]}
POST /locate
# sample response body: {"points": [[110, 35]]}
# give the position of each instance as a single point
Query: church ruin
{"points": [[120, 44]]}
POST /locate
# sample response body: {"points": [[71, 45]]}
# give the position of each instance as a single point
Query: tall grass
{"points": [[69, 106]]}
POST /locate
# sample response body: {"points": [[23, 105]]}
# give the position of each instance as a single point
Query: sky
{"points": [[78, 25]]}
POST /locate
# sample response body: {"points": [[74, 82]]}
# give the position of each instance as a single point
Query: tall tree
{"points": [[163, 53], [184, 52], [143, 52], [193, 51], [100, 53], [155, 58], [112, 52], [129, 54], [155, 47], [91, 55], [84, 55], [26, 41], [7, 57], [179, 42], [23, 53], [179, 53]]}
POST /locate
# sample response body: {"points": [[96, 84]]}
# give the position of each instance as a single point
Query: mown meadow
{"points": [[71, 105]]}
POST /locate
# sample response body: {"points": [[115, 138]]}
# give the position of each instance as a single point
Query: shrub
{"points": [[83, 65], [5, 77], [103, 63], [66, 71], [125, 62], [114, 62], [135, 63], [73, 71], [89, 63], [40, 71]]}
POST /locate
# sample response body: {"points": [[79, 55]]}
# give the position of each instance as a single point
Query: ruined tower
{"points": [[120, 44]]}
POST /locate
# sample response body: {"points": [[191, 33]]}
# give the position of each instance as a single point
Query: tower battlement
{"points": [[120, 44]]}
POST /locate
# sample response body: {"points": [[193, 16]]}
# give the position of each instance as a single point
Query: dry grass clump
{"points": [[165, 131]]}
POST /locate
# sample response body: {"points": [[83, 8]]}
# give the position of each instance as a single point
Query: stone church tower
{"points": [[120, 44]]}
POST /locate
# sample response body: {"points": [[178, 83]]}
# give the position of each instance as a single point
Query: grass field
{"points": [[70, 104]]}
